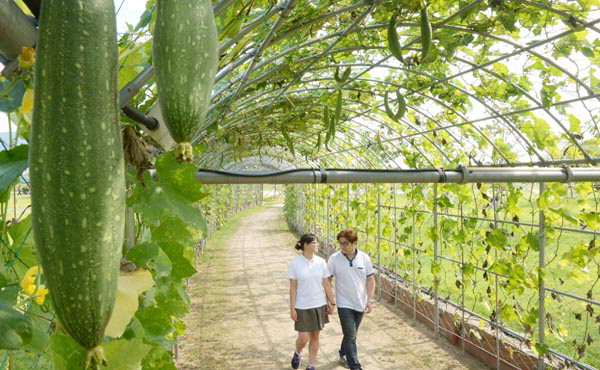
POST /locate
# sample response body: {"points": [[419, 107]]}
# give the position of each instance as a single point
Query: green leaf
{"points": [[154, 200], [163, 264], [568, 215], [497, 239], [125, 354], [172, 297], [40, 337], [16, 329], [591, 219], [142, 253], [575, 123], [66, 353], [12, 164], [533, 240], [183, 267], [179, 178], [11, 97], [156, 322], [436, 267], [159, 358], [541, 348]]}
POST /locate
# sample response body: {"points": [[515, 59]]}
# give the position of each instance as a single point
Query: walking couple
{"points": [[311, 295]]}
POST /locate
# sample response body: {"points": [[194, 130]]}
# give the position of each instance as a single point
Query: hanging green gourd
{"points": [[401, 106], [393, 40], [76, 166], [185, 57], [426, 32]]}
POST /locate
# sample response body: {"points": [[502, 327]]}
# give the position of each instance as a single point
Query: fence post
{"points": [[495, 198], [379, 245], [347, 206], [395, 246], [462, 277], [435, 261], [367, 215], [542, 286], [328, 226], [414, 252]]}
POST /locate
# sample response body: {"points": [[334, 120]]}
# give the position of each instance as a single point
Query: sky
{"points": [[130, 11]]}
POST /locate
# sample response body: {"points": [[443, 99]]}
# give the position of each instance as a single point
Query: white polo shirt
{"points": [[309, 275], [350, 279]]}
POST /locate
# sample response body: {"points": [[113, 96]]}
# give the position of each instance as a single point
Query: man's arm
{"points": [[370, 293]]}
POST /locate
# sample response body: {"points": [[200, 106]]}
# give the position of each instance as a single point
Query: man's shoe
{"points": [[296, 360], [344, 361], [309, 367]]}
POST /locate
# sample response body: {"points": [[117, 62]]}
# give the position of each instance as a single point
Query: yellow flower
{"points": [[40, 295], [28, 284], [27, 104], [30, 277], [27, 58]]}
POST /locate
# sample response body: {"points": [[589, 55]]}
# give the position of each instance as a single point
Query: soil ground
{"points": [[239, 315]]}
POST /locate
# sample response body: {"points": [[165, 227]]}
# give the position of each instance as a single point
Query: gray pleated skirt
{"points": [[312, 319]]}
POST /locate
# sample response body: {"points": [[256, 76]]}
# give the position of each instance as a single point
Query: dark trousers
{"points": [[350, 320]]}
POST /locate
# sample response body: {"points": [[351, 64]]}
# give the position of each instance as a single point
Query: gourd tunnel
{"points": [[460, 139]]}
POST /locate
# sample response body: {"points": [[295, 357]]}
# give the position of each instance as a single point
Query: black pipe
{"points": [[150, 122]]}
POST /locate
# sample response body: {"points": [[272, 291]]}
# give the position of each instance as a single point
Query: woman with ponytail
{"points": [[311, 298]]}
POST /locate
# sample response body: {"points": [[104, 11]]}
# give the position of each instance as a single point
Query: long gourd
{"points": [[185, 57], [76, 165]]}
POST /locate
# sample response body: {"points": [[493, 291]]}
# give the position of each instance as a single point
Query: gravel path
{"points": [[239, 317]]}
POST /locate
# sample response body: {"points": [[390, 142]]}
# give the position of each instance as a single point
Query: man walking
{"points": [[354, 290]]}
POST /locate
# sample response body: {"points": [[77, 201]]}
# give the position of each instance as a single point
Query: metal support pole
{"points": [[395, 245], [542, 286], [435, 261], [495, 198], [457, 176], [347, 206], [379, 245], [367, 215], [327, 240], [462, 286], [413, 251], [315, 211]]}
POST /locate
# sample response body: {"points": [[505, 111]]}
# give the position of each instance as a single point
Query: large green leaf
{"points": [[179, 178], [125, 354], [120, 354], [12, 164], [66, 353], [153, 200], [16, 329]]}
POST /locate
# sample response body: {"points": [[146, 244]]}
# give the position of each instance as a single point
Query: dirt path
{"points": [[239, 316]]}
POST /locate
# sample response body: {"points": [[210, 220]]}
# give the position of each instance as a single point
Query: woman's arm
{"points": [[293, 290], [328, 295], [328, 290]]}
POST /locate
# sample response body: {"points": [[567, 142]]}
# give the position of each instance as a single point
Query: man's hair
{"points": [[349, 234]]}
